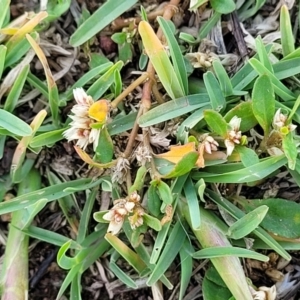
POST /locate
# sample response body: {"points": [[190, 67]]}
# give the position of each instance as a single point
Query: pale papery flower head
{"points": [[120, 170]]}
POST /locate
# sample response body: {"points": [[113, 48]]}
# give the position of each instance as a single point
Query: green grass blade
{"points": [[173, 109], [262, 54], [4, 4], [237, 214], [217, 100], [280, 89], [102, 17], [173, 245], [101, 85], [15, 92], [223, 78], [3, 50], [214, 252], [50, 193], [177, 57], [13, 124], [251, 173], [193, 204], [287, 37]]}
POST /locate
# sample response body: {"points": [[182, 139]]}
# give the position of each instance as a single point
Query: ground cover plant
{"points": [[151, 149]]}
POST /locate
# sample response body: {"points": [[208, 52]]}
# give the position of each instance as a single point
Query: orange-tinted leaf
{"points": [[200, 161], [176, 153], [27, 28], [99, 110]]}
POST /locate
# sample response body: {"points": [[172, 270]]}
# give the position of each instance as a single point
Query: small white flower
{"points": [[117, 214], [210, 144], [265, 293], [234, 135], [80, 129], [279, 121]]}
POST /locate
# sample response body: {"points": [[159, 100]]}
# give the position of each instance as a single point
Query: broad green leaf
{"points": [[173, 245], [139, 179], [234, 211], [105, 149], [280, 222], [214, 252], [13, 124], [216, 122], [223, 78], [173, 109], [217, 100], [248, 156], [193, 203], [287, 37], [175, 51], [263, 102], [160, 60], [290, 150], [102, 17], [152, 222], [223, 6], [280, 89], [164, 192], [247, 223], [213, 287], [154, 202], [56, 8], [244, 111], [186, 164]]}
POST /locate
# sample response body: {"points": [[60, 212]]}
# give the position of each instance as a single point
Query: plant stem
{"points": [[14, 275]]}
